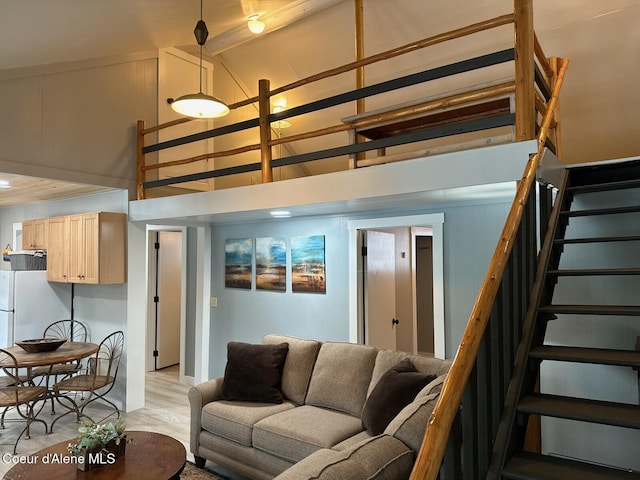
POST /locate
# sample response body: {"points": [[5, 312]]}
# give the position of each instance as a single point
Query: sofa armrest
{"points": [[199, 395]]}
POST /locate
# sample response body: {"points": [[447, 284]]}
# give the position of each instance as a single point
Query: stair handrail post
{"points": [[524, 70], [435, 438], [264, 110], [556, 63], [140, 171]]}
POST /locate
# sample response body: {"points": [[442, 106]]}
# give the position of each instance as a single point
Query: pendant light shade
{"points": [[200, 105]]}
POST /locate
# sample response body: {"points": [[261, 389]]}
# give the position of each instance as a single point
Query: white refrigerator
{"points": [[28, 303]]}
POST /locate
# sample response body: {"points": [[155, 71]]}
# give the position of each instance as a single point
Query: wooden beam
{"points": [[524, 70], [264, 109]]}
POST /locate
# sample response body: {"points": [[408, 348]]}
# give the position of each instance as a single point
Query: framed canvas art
{"points": [[238, 258], [271, 264], [307, 264]]}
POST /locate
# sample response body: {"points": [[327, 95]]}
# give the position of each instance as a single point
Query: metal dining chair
{"points": [[95, 383], [19, 394], [72, 331]]}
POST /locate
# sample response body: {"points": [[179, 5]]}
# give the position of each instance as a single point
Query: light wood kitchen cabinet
{"points": [[57, 257], [87, 248], [34, 234]]}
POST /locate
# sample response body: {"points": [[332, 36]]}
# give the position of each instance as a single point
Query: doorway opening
{"points": [[166, 298], [396, 290]]}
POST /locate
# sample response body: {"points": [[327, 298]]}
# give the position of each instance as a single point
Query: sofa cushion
{"points": [[248, 461], [341, 377], [253, 372], [296, 433], [235, 420], [388, 358], [351, 441], [411, 423], [298, 365], [376, 458], [395, 390]]}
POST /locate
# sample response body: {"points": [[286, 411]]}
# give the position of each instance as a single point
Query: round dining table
{"points": [[67, 352]]}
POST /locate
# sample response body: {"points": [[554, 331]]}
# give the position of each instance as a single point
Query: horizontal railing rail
{"points": [[266, 143], [353, 95]]}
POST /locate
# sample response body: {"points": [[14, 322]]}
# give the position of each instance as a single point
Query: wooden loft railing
{"points": [[477, 383], [533, 73]]}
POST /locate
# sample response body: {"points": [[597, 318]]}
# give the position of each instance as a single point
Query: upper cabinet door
{"points": [[58, 251], [91, 248], [76, 249], [34, 234]]}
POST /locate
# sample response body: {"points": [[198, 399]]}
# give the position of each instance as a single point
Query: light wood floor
{"points": [[166, 411]]}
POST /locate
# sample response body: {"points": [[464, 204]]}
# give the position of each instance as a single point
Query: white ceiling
{"points": [[600, 99]]}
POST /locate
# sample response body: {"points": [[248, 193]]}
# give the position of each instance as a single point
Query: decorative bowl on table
{"points": [[39, 345]]}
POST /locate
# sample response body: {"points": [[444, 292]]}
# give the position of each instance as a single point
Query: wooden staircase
{"points": [[615, 218]]}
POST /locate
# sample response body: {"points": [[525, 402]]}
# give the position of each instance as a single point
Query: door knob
{"points": [[395, 321]]}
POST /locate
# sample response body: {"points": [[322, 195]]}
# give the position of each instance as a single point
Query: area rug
{"points": [[191, 472]]}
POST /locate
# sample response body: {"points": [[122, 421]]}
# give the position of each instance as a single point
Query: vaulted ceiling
{"points": [[600, 99]]}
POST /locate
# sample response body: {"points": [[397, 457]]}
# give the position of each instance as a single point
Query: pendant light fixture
{"points": [[200, 105]]}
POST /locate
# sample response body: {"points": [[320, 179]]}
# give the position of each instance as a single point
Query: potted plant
{"points": [[98, 444]]}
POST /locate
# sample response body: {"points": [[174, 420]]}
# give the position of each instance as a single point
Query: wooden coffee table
{"points": [[151, 456]]}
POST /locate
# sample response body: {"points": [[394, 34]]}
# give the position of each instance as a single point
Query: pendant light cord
{"points": [[199, 43]]}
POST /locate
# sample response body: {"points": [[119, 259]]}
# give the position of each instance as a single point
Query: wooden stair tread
{"points": [[594, 411], [601, 211], [605, 186], [580, 272], [565, 241], [605, 173], [632, 310], [531, 466], [602, 356]]}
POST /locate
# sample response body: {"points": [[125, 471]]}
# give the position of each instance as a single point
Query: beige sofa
{"points": [[317, 431]]}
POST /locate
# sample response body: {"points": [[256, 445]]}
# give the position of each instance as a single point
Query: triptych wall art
{"points": [[307, 271]]}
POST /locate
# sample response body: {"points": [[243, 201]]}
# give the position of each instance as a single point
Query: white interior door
{"points": [[380, 290], [169, 287]]}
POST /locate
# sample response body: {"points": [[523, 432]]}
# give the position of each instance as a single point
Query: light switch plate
{"points": [[214, 301]]}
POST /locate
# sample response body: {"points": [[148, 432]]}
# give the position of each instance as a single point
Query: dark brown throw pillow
{"points": [[396, 389], [253, 372]]}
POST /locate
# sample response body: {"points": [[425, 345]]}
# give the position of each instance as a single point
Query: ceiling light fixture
{"points": [[4, 184], [278, 107], [255, 25], [280, 214], [199, 105]]}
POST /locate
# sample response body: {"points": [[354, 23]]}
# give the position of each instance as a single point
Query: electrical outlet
{"points": [[214, 301]]}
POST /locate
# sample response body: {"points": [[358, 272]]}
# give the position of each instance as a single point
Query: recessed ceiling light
{"points": [[4, 184], [280, 214]]}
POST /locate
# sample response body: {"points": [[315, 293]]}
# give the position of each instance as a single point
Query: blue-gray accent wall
{"points": [[471, 232]]}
